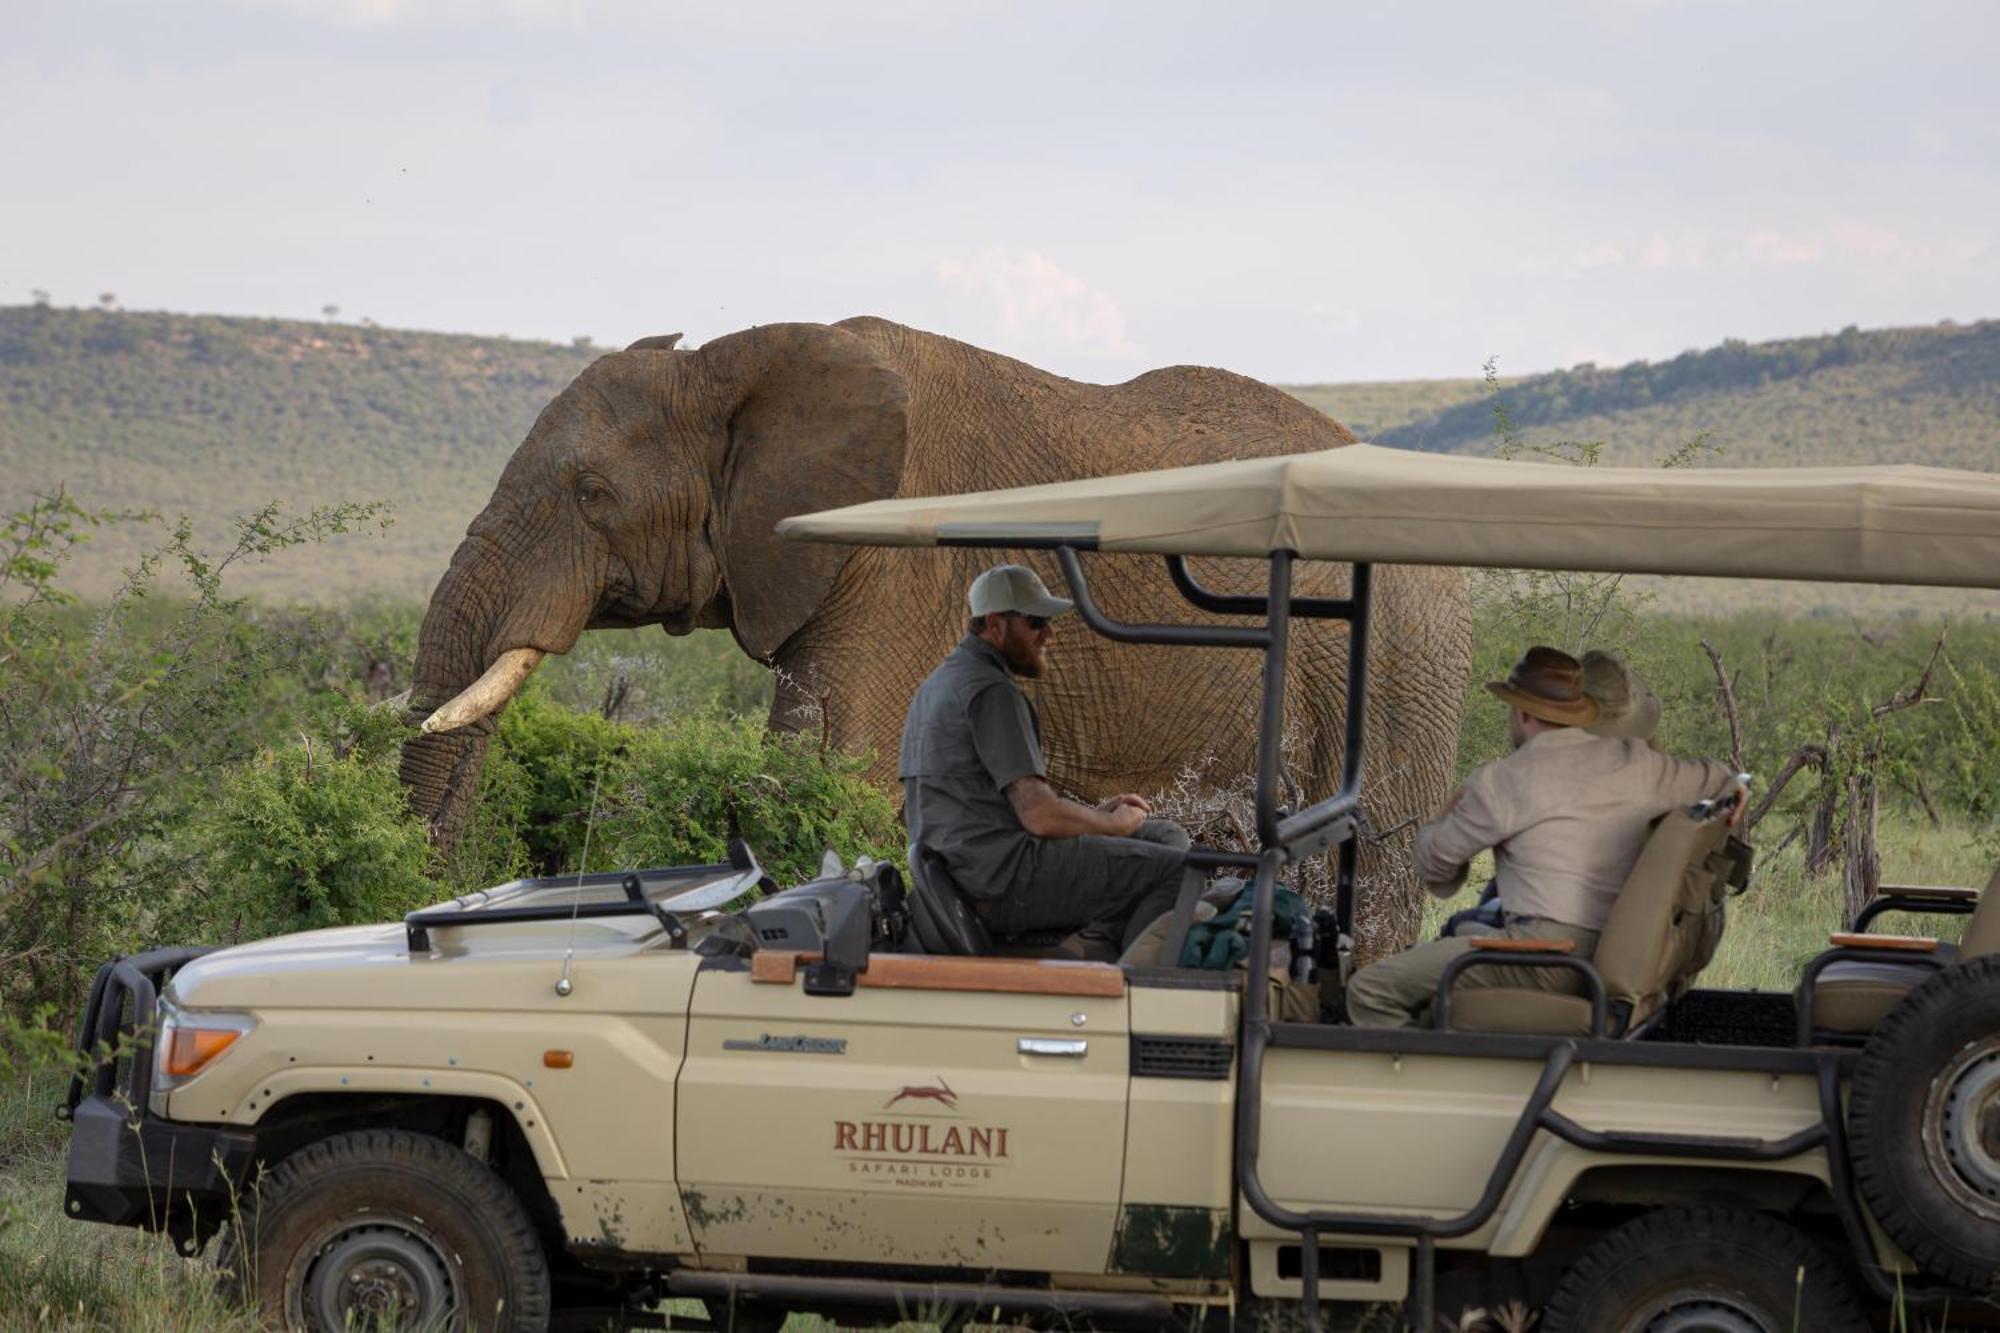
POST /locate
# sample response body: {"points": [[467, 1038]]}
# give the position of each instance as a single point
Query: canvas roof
{"points": [[1884, 524]]}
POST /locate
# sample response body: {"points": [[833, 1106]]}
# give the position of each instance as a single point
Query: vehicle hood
{"points": [[372, 967]]}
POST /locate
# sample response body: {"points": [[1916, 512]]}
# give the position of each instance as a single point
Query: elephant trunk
{"points": [[480, 640], [440, 768]]}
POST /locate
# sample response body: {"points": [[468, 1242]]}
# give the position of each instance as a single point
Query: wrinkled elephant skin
{"points": [[647, 490]]}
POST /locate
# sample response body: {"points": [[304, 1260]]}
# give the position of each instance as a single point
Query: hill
{"points": [[210, 416]]}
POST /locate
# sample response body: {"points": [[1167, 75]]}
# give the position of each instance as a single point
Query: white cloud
{"points": [[1775, 247], [1865, 241], [1036, 300]]}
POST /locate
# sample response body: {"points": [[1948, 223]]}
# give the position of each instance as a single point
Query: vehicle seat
{"points": [[1663, 929], [1854, 995], [940, 912], [945, 922]]}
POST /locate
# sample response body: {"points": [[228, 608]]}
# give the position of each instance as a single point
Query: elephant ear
{"points": [[659, 342], [816, 419]]}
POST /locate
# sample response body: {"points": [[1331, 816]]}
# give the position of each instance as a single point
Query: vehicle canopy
{"points": [[1363, 502]]}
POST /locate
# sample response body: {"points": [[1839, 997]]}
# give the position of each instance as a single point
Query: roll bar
{"points": [[1326, 824]]}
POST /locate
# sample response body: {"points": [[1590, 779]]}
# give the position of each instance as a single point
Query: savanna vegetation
{"points": [[182, 763]]}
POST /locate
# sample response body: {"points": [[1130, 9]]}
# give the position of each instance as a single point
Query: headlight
{"points": [[191, 1040]]}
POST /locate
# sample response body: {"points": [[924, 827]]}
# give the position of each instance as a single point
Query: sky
{"points": [[1303, 193]]}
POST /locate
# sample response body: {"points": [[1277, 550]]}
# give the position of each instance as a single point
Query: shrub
{"points": [[310, 836], [683, 792]]}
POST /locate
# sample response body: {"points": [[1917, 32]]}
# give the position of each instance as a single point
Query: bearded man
{"points": [[976, 788]]}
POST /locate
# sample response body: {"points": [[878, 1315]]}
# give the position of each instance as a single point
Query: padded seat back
{"points": [[1668, 918], [1982, 932], [939, 910], [1853, 995], [1663, 929]]}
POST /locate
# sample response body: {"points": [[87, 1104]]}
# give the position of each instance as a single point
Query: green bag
{"points": [[1223, 941]]}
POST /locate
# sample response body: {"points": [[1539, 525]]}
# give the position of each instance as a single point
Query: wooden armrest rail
{"points": [[1018, 976], [1508, 944], [1940, 892], [1886, 943]]}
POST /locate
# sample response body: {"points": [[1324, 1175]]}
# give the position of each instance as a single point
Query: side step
{"points": [[920, 1298]]}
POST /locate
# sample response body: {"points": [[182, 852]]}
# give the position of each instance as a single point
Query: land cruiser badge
{"points": [[794, 1045]]}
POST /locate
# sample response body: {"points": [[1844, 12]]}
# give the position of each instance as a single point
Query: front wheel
{"points": [[385, 1229], [1703, 1270]]}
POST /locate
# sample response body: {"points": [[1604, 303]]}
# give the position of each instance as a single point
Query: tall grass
{"points": [[56, 1274]]}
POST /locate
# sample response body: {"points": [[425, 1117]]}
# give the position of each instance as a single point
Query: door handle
{"points": [[1072, 1047]]}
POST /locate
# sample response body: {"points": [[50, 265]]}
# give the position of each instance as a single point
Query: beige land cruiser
{"points": [[562, 1103]]}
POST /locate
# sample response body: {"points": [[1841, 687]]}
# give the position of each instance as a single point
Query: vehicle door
{"points": [[963, 1113]]}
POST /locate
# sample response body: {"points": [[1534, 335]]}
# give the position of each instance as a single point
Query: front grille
{"points": [[1182, 1057]]}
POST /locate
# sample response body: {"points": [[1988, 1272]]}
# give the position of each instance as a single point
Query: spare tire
{"points": [[1924, 1121]]}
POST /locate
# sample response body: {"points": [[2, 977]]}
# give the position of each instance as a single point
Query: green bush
{"points": [[684, 791], [310, 836]]}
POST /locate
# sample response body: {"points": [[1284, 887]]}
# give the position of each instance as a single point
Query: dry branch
{"points": [[1913, 694], [1726, 693]]}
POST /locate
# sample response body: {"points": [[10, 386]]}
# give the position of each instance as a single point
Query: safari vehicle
{"points": [[565, 1101]]}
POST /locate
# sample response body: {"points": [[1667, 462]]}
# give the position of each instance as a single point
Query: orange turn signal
{"points": [[192, 1048], [558, 1059]]}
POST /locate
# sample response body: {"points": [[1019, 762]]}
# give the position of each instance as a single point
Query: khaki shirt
{"points": [[1565, 815]]}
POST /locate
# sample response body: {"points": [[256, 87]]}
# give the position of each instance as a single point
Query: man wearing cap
{"points": [[976, 789], [1565, 815]]}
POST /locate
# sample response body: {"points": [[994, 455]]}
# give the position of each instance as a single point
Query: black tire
{"points": [[1703, 1270], [354, 1224], [1923, 1117]]}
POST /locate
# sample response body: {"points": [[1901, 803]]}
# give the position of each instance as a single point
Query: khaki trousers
{"points": [[1397, 991]]}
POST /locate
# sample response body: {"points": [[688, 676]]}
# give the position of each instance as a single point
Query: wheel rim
{"points": [[377, 1273], [1700, 1312], [1962, 1128]]}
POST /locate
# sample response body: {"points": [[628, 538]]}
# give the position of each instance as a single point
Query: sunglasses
{"points": [[1034, 622]]}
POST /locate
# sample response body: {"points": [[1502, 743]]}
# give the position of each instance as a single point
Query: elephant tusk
{"points": [[486, 695]]}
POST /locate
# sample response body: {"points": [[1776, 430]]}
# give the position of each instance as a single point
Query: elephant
{"points": [[647, 490]]}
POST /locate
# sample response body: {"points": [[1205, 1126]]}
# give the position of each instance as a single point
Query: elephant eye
{"points": [[591, 493]]}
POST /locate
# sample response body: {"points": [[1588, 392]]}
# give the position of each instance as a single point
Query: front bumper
{"points": [[180, 1179], [126, 1166]]}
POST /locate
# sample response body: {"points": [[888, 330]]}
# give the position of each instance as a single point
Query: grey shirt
{"points": [[969, 733]]}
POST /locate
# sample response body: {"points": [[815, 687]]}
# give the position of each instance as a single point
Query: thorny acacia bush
{"points": [[182, 766], [113, 722]]}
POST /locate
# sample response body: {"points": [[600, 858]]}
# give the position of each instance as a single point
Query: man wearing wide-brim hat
{"points": [[1565, 815]]}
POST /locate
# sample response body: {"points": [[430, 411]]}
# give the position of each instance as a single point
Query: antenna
{"points": [[563, 984]]}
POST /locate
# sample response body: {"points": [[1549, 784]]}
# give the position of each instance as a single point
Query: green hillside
{"points": [[211, 416], [1925, 395]]}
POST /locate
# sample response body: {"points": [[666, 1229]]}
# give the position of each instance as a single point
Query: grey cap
{"points": [[1626, 707], [1014, 588]]}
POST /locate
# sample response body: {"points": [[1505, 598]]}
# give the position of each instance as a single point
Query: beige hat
{"points": [[1626, 707], [1547, 683], [1014, 588]]}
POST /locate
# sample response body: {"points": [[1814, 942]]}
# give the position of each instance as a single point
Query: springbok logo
{"points": [[940, 1092]]}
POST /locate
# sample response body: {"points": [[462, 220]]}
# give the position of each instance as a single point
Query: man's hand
{"points": [[1450, 802], [1046, 815], [1741, 790], [1125, 819]]}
